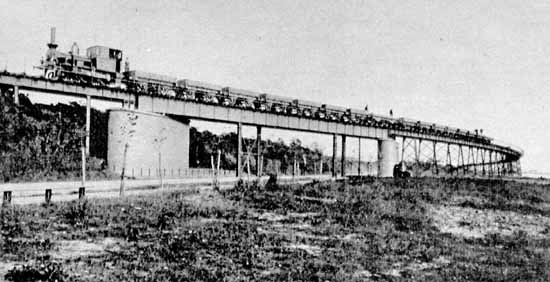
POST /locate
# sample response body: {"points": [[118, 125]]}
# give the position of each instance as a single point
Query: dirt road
{"points": [[34, 192]]}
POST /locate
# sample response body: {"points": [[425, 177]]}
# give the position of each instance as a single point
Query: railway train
{"points": [[102, 67]]}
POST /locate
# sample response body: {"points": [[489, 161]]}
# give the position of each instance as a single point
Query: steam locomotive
{"points": [[102, 67]]}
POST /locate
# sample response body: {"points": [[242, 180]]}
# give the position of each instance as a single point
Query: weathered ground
{"points": [[375, 230]]}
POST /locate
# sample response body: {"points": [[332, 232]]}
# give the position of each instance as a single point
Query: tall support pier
{"points": [[387, 157], [239, 169], [258, 151], [333, 168], [343, 159]]}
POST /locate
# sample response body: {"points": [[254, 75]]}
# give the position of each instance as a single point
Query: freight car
{"points": [[150, 83]]}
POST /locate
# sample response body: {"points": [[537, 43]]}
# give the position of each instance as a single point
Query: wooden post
{"points": [[6, 200], [213, 172], [88, 117], [81, 193], [48, 196], [121, 191], [83, 160], [314, 168], [239, 150], [218, 170], [160, 171]]}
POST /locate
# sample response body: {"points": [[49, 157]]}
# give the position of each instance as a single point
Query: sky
{"points": [[469, 64]]}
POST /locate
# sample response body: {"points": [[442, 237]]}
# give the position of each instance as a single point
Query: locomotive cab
{"points": [[106, 60]]}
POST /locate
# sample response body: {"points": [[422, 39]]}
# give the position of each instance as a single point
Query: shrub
{"points": [[38, 272], [77, 213]]}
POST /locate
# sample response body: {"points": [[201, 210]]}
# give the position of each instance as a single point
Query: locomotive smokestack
{"points": [[52, 44], [52, 35]]}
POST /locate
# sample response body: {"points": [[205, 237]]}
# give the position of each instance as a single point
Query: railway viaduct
{"points": [[455, 155]]}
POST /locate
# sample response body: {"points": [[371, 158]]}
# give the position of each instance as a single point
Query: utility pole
{"points": [[83, 160], [359, 163], [239, 151], [88, 117]]}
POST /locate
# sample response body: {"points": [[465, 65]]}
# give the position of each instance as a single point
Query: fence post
{"points": [[6, 200], [81, 192], [48, 196]]}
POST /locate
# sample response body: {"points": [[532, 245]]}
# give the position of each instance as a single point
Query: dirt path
{"points": [[32, 193]]}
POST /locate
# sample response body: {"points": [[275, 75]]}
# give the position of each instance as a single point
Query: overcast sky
{"points": [[469, 64]]}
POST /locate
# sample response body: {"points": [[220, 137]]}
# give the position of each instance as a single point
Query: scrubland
{"points": [[355, 230]]}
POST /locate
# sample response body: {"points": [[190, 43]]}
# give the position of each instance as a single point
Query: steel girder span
{"points": [[425, 156], [420, 152]]}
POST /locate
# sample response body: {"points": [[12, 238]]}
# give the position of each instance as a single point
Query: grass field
{"points": [[372, 230]]}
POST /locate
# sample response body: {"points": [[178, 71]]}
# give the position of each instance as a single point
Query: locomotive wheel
{"points": [[51, 75]]}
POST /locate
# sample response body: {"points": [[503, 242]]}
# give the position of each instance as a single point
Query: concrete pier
{"points": [[146, 138], [387, 157], [16, 94]]}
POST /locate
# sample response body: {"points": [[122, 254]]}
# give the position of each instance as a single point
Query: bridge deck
{"points": [[233, 115], [43, 85]]}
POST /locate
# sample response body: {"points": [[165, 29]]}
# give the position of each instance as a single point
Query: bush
{"points": [[77, 213], [38, 272]]}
